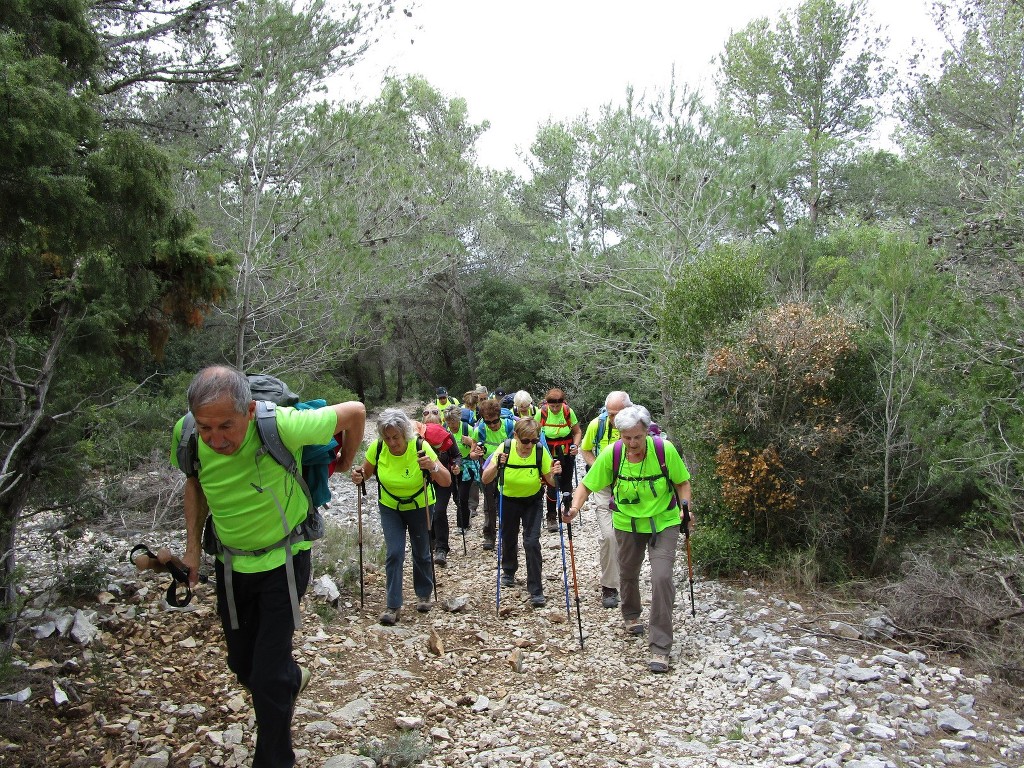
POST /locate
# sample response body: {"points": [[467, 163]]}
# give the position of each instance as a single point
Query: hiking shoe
{"points": [[659, 662], [390, 617], [552, 526], [634, 627], [507, 580], [488, 544], [424, 605], [538, 601], [304, 676], [441, 558], [609, 597]]}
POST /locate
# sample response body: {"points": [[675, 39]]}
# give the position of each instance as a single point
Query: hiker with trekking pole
{"points": [[648, 481], [465, 471], [492, 431], [562, 432], [402, 461], [442, 441], [600, 434], [257, 512], [526, 467]]}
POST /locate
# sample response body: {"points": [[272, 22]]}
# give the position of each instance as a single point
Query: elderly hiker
{"points": [[256, 508], [403, 463], [648, 479], [492, 431], [600, 434], [520, 467]]}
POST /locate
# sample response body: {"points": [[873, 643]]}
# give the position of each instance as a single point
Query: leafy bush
{"points": [[721, 551], [789, 447]]}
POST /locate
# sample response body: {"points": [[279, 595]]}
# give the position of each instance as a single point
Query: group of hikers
{"points": [[516, 457]]}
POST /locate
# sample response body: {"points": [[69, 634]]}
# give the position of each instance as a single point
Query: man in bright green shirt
{"points": [[252, 500]]}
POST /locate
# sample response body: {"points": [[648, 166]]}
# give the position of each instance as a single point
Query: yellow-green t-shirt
{"points": [[642, 495], [245, 518], [400, 476], [556, 425], [590, 441], [451, 401], [521, 479]]}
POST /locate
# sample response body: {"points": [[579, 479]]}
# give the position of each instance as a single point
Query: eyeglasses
{"points": [[434, 412], [489, 422], [555, 400], [529, 440]]}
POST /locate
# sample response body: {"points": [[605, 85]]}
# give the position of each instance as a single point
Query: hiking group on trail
{"points": [[257, 460]]}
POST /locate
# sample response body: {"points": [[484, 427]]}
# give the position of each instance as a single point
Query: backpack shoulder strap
{"points": [[187, 452], [602, 422], [659, 451], [270, 437], [617, 449], [510, 427]]}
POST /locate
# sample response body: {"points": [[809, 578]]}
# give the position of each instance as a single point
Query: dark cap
{"points": [[441, 392]]}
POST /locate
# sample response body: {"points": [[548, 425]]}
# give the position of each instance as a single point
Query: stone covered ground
{"points": [[757, 679]]}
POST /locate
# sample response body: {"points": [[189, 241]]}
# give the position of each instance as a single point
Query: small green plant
{"points": [[337, 553], [405, 749], [327, 612], [735, 733], [82, 579]]}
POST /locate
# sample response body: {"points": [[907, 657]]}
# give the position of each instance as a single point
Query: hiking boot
{"points": [[507, 580], [634, 627], [552, 525], [609, 597], [423, 605], [659, 662], [440, 558], [390, 617], [538, 601], [304, 677], [488, 544]]}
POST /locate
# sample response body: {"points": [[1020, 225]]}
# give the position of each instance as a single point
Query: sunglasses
{"points": [[428, 413], [555, 400], [489, 421], [529, 440]]}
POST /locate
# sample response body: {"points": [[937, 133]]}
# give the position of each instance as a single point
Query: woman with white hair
{"points": [[523, 407], [648, 481], [402, 462]]}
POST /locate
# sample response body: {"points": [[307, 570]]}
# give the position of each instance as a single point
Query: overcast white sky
{"points": [[520, 63]]}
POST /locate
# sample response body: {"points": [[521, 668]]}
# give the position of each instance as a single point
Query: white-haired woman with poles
{"points": [[649, 482], [401, 462]]}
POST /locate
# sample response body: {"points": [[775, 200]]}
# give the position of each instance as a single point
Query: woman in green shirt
{"points": [[523, 464], [402, 463]]}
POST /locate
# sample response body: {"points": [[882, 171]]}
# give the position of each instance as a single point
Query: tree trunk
{"points": [[23, 465], [399, 381]]}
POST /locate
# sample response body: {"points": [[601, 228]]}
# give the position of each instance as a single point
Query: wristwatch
{"points": [[436, 469]]}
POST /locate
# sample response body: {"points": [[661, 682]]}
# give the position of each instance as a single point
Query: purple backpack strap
{"points": [[659, 451]]}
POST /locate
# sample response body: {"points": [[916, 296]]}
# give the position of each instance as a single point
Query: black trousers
{"points": [[526, 512], [260, 653]]}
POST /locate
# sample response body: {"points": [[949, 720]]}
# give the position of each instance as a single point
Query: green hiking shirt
{"points": [[245, 518], [401, 475], [642, 495], [521, 478], [590, 443]]}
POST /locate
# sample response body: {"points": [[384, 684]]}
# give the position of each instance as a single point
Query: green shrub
{"points": [[720, 550], [405, 749]]}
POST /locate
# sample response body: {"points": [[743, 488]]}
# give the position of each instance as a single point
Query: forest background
{"points": [[830, 332]]}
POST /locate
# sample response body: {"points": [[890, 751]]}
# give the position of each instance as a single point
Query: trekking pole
{"points": [[426, 510], [565, 567], [566, 501], [360, 492], [689, 559], [501, 493]]}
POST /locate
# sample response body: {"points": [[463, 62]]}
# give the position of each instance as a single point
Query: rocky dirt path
{"points": [[756, 680]]}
